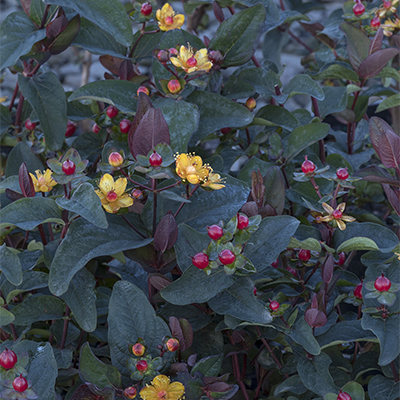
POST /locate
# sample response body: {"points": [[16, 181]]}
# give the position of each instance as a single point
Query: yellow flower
{"points": [[337, 215], [112, 194], [387, 8], [43, 183], [398, 255], [213, 181], [390, 26], [190, 168], [162, 389], [168, 20], [3, 99], [190, 61]]}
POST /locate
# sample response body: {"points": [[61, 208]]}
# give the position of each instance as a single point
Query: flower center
{"points": [[111, 196], [337, 214], [168, 20], [162, 395], [42, 181], [191, 170], [191, 62]]}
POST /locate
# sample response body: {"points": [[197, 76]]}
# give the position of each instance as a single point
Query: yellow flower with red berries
{"points": [[112, 194], [161, 388], [190, 168], [190, 61], [336, 215], [43, 183], [168, 20]]}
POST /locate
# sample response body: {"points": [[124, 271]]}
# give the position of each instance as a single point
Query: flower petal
{"points": [[106, 184], [341, 207], [149, 393], [347, 218], [108, 208], [125, 201], [161, 382], [175, 391], [176, 62], [120, 186], [327, 208], [341, 225]]}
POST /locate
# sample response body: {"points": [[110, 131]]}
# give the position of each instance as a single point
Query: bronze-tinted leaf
{"points": [[358, 44], [166, 233], [56, 25], [393, 195], [12, 195], [375, 62], [315, 30], [376, 43], [315, 318], [25, 181], [126, 71], [182, 330], [327, 269]]}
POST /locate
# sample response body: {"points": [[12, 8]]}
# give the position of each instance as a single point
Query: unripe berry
{"points": [[155, 159], [307, 166], [71, 128], [304, 255], [163, 56], [95, 128], [146, 9], [358, 291], [68, 167], [342, 258], [168, 20], [115, 159], [174, 86], [251, 103], [342, 173], [138, 349], [172, 344], [225, 131], [343, 396], [20, 384], [358, 9], [30, 125], [216, 57], [215, 232], [242, 221], [337, 214], [137, 194], [112, 111], [130, 392], [125, 125], [144, 90], [8, 359], [382, 284], [375, 23], [200, 260], [274, 305], [191, 62], [141, 365], [226, 257]]}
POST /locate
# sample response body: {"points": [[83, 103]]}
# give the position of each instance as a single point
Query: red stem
{"points": [[65, 327], [13, 97], [298, 40]]}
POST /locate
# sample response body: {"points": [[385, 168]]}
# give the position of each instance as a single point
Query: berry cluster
{"points": [[8, 360]]}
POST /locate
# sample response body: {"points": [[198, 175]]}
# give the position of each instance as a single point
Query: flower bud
{"points": [[115, 159], [173, 51], [137, 194], [138, 349], [216, 57], [174, 86], [142, 365], [163, 56], [251, 104], [130, 392], [172, 344], [143, 89]]}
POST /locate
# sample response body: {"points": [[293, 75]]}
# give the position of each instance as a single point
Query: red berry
{"points": [[125, 125], [342, 173], [200, 260], [112, 111], [375, 23], [111, 196], [168, 20], [304, 255], [71, 128], [215, 232], [130, 392], [68, 167], [343, 396], [358, 9], [95, 128], [30, 125], [20, 384], [146, 9], [274, 305], [342, 258], [255, 291], [174, 86], [387, 4], [307, 166], [292, 271], [191, 62], [141, 365], [155, 160], [226, 257], [275, 264], [173, 51], [337, 214], [225, 131], [8, 359], [242, 221], [358, 291], [382, 284]]}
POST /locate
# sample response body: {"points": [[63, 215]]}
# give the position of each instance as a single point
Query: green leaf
{"points": [[87, 204], [307, 244], [131, 317], [358, 44], [146, 45], [92, 370], [274, 189], [32, 280], [121, 94], [382, 388], [81, 299], [239, 302], [390, 102], [84, 242], [46, 96], [110, 15], [10, 265], [29, 212], [209, 366], [335, 100], [302, 334], [38, 308], [195, 286], [18, 34], [182, 119], [254, 164], [278, 116], [5, 119], [238, 35], [5, 317], [236, 88], [336, 71], [262, 81], [217, 112], [365, 236], [293, 384], [305, 136], [303, 84], [387, 333], [315, 374]]}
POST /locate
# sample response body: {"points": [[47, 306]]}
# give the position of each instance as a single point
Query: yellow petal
{"points": [[341, 225], [158, 14], [161, 382], [179, 20], [106, 183], [184, 54], [149, 393], [35, 182], [176, 62], [206, 66], [108, 208], [193, 179], [197, 161], [183, 161], [120, 186], [347, 218], [327, 208], [326, 219], [341, 207], [125, 201], [167, 10], [175, 390]]}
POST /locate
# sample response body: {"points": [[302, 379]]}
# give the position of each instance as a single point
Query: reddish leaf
{"points": [[357, 44], [315, 318], [125, 71], [152, 130], [91, 392], [64, 39], [159, 281], [315, 30], [376, 174], [327, 269], [377, 127], [166, 233], [111, 63], [219, 14], [376, 43], [56, 25], [375, 62], [25, 181], [26, 5], [182, 330], [12, 195], [389, 149], [250, 208], [393, 195]]}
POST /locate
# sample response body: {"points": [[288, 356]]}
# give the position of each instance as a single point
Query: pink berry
{"points": [[226, 257], [375, 23], [307, 166], [387, 4], [95, 128], [342, 258], [20, 384], [174, 86], [125, 125], [358, 9], [146, 9], [304, 255], [71, 128], [191, 62], [343, 396], [155, 159], [200, 260], [215, 232], [342, 173], [112, 111], [141, 365], [68, 167], [358, 291], [337, 214], [30, 125], [382, 284], [242, 221], [274, 305], [8, 359]]}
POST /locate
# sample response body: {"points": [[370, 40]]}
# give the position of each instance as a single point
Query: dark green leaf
{"points": [[381, 388], [336, 71], [302, 334], [263, 81], [209, 366], [19, 154], [303, 84], [10, 265], [254, 164], [335, 100], [5, 317], [357, 44], [236, 88], [274, 189], [278, 116], [390, 102], [5, 119], [293, 384]]}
